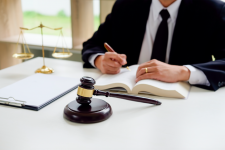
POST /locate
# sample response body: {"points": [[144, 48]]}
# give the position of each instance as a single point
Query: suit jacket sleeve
{"points": [[215, 70], [96, 44]]}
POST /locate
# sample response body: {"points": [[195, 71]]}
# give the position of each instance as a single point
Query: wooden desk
{"points": [[195, 123]]}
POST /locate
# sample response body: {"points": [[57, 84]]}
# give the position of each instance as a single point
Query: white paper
{"points": [[159, 84], [38, 89], [125, 76]]}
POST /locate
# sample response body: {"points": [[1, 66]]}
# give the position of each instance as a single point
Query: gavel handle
{"points": [[127, 97]]}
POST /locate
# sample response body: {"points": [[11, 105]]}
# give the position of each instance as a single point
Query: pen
{"points": [[110, 49]]}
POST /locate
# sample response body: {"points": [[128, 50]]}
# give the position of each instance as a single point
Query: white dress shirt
{"points": [[196, 76]]}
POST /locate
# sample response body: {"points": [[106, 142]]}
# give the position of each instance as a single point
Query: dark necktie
{"points": [[161, 38]]}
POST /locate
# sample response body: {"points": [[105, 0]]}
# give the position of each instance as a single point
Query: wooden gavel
{"points": [[86, 109], [86, 91]]}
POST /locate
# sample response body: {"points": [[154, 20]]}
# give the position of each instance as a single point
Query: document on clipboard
{"points": [[37, 91]]}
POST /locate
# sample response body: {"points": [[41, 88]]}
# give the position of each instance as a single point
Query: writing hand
{"points": [[158, 70], [110, 63]]}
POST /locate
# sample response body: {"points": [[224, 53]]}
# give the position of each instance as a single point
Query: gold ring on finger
{"points": [[146, 70]]}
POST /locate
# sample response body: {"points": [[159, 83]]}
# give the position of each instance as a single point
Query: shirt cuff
{"points": [[197, 76], [92, 58]]}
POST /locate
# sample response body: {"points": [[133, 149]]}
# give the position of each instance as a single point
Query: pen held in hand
{"points": [[110, 49]]}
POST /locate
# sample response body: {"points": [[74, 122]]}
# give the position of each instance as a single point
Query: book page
{"points": [[126, 80], [158, 84], [125, 77], [159, 88]]}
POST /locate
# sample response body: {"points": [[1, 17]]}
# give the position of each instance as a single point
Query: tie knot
{"points": [[165, 14]]}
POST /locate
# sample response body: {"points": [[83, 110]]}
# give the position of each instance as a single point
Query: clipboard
{"points": [[28, 96]]}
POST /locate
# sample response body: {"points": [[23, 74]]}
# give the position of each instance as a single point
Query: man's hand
{"points": [[158, 70], [110, 63]]}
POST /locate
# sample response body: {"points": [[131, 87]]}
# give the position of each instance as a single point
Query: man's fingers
{"points": [[112, 72], [150, 63], [112, 63], [145, 65], [145, 76], [116, 57], [143, 71], [123, 56], [112, 68], [142, 66]]}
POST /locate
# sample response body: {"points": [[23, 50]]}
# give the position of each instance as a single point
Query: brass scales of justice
{"points": [[26, 54]]}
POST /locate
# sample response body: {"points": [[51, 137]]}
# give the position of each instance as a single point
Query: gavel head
{"points": [[85, 90]]}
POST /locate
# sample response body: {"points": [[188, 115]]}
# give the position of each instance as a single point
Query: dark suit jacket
{"points": [[199, 33]]}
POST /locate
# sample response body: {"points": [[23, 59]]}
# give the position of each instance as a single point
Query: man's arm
{"points": [[215, 70], [92, 58], [215, 73], [161, 71], [96, 43], [197, 77]]}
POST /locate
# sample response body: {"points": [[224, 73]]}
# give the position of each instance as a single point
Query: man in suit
{"points": [[172, 40]]}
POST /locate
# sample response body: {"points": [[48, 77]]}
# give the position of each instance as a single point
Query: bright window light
{"points": [[52, 13]]}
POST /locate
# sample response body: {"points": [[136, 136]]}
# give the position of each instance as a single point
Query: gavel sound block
{"points": [[86, 109]]}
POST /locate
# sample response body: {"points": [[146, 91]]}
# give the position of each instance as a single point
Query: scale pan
{"points": [[62, 55], [23, 55]]}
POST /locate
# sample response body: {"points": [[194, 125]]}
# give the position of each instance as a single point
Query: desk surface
{"points": [[178, 124]]}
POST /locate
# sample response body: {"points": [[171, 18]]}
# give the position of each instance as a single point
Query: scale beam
{"points": [[28, 55]]}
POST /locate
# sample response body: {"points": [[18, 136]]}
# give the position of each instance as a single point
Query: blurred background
{"points": [[58, 15], [79, 19]]}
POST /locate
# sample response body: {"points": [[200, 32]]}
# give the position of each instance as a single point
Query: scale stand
{"points": [[44, 69]]}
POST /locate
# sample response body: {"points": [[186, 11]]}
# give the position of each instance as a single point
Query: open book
{"points": [[126, 79]]}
